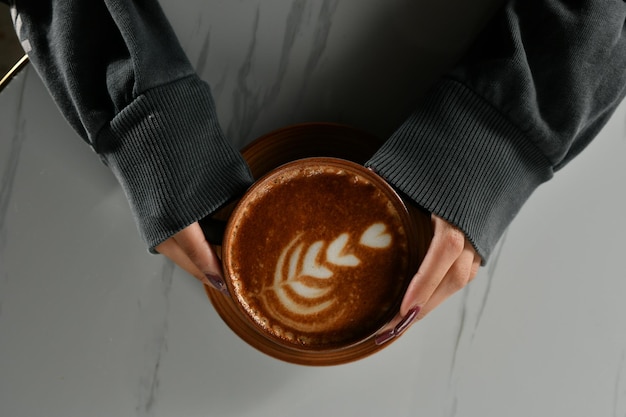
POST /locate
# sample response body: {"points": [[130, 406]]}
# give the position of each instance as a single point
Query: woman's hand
{"points": [[451, 262], [190, 251]]}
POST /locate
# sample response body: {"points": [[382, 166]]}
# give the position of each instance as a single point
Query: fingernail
{"points": [[404, 324], [217, 282], [407, 320], [385, 336]]}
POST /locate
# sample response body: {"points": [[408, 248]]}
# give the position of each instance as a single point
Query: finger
{"points": [[457, 278], [447, 245], [396, 326], [475, 266], [459, 275], [174, 252], [207, 274], [450, 254], [192, 242]]}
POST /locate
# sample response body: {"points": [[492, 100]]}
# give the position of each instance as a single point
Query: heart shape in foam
{"points": [[376, 236]]}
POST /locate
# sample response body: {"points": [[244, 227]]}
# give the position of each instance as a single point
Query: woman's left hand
{"points": [[189, 250]]}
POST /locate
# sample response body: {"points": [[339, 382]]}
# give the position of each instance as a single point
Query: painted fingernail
{"points": [[217, 282], [407, 320], [385, 336], [404, 324]]}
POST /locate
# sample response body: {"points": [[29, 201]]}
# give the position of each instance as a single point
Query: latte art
{"points": [[319, 257], [304, 277]]}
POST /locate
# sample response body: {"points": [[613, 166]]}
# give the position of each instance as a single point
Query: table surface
{"points": [[93, 325]]}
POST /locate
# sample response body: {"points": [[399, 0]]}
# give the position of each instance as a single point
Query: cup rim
{"points": [[400, 206]]}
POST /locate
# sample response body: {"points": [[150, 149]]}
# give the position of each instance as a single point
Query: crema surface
{"points": [[319, 257]]}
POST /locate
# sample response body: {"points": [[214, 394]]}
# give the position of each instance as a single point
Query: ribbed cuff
{"points": [[460, 158], [172, 159]]}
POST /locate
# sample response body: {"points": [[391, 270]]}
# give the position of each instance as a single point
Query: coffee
{"points": [[318, 254]]}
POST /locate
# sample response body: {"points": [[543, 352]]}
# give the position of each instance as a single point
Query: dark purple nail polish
{"points": [[385, 336], [404, 324], [217, 282], [406, 320]]}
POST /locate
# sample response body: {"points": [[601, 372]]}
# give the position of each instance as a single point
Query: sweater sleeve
{"points": [[536, 87], [122, 80]]}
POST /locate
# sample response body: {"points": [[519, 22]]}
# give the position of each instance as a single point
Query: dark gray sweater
{"points": [[537, 86]]}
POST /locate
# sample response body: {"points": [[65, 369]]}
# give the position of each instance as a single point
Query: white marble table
{"points": [[92, 325]]}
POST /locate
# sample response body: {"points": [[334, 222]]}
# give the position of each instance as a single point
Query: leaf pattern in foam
{"points": [[304, 289]]}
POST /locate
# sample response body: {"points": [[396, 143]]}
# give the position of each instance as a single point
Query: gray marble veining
{"points": [[246, 100], [472, 306], [320, 40], [292, 30], [250, 98], [154, 326], [491, 273], [204, 53], [619, 393], [7, 178]]}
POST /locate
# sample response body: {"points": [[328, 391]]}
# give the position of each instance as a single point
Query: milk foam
{"points": [[304, 274], [376, 237], [335, 253]]}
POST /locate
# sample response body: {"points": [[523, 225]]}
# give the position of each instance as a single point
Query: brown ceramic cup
{"points": [[317, 256]]}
